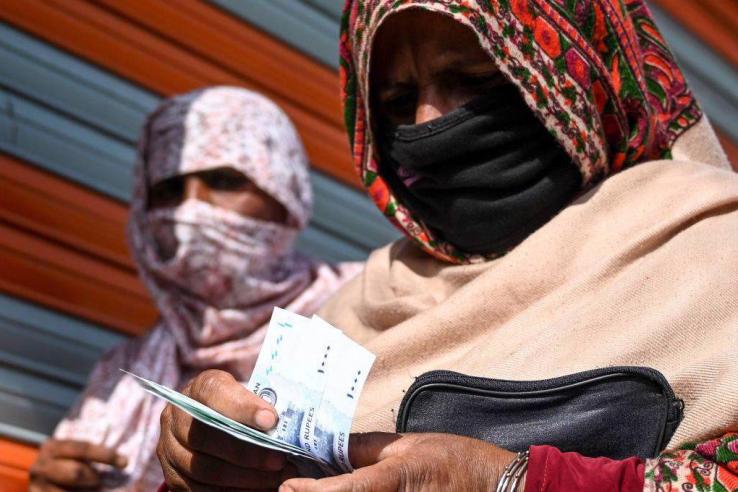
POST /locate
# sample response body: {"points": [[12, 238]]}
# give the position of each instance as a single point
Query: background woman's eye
{"points": [[167, 192], [226, 180]]}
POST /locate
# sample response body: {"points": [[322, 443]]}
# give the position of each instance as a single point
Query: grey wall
{"points": [[44, 361], [311, 26]]}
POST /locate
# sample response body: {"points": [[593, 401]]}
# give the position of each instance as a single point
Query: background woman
{"points": [[572, 257], [222, 191]]}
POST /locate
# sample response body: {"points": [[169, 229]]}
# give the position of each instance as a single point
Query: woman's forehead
{"points": [[416, 36], [423, 28]]}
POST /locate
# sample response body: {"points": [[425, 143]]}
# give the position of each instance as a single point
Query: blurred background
{"points": [[76, 81]]}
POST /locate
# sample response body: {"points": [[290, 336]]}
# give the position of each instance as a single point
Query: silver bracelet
{"points": [[513, 473]]}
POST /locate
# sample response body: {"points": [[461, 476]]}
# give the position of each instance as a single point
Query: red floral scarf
{"points": [[596, 72]]}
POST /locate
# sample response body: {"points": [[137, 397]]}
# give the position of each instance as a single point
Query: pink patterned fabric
{"points": [[216, 293]]}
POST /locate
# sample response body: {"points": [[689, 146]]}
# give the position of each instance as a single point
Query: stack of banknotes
{"points": [[313, 375]]}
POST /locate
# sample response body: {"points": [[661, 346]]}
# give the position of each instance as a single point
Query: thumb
{"points": [[368, 448]]}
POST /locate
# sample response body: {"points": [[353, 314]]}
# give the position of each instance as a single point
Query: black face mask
{"points": [[484, 176]]}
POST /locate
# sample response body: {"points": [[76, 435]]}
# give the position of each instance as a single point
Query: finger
{"points": [[44, 487], [180, 482], [221, 392], [215, 471], [187, 433], [366, 449], [188, 485], [66, 472], [82, 450], [383, 477], [176, 481]]}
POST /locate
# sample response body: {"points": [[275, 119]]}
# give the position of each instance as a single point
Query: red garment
{"points": [[550, 470]]}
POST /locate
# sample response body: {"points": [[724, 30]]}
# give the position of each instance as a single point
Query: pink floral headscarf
{"points": [[216, 293]]}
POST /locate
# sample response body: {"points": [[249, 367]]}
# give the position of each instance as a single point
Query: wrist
{"points": [[521, 485], [512, 478]]}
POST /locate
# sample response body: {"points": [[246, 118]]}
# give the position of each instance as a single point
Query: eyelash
{"points": [[474, 81], [173, 188], [401, 99], [479, 78]]}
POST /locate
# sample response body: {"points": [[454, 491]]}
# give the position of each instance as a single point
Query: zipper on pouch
{"points": [[501, 388]]}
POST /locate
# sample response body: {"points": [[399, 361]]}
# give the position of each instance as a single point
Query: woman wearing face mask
{"points": [[568, 286], [221, 192]]}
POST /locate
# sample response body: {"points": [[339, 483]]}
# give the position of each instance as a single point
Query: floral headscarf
{"points": [[220, 324], [204, 130], [596, 72]]}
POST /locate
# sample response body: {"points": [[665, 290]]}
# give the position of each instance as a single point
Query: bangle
{"points": [[513, 473]]}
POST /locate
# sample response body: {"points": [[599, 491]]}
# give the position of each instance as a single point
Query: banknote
{"points": [[290, 371], [313, 375], [340, 396]]}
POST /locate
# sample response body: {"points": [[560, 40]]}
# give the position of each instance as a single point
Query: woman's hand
{"points": [[66, 465], [195, 457], [413, 462]]}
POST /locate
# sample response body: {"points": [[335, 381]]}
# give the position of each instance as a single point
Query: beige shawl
{"points": [[642, 270]]}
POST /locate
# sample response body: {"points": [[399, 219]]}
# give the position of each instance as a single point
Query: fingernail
{"points": [[121, 461], [265, 419]]}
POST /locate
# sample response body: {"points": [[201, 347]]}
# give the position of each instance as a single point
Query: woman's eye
{"points": [[167, 192], [478, 82], [226, 181], [401, 105]]}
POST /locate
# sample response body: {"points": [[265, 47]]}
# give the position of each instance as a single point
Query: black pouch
{"points": [[615, 412]]}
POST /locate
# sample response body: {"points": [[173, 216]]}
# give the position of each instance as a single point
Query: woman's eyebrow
{"points": [[446, 64], [461, 65]]}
